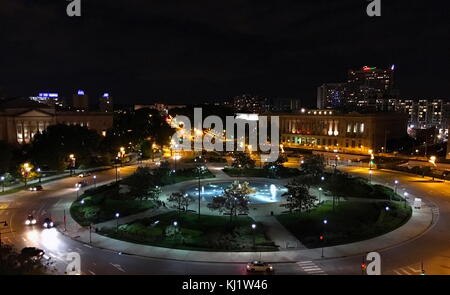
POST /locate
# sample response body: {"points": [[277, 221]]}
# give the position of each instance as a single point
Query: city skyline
{"points": [[175, 52]]}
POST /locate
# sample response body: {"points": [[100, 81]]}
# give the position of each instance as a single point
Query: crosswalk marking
{"points": [[407, 270], [310, 268]]}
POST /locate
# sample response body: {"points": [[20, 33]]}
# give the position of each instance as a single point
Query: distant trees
{"points": [[313, 165], [136, 128], [298, 197], [242, 160], [27, 261], [6, 157], [180, 200], [52, 148], [234, 200]]}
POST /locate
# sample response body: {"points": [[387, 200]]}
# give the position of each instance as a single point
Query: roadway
{"points": [[432, 248]]}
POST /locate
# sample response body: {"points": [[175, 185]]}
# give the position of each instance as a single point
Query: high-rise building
{"points": [[330, 95], [106, 103], [368, 84], [80, 101]]}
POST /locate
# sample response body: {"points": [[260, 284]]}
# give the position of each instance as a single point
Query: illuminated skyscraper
{"points": [[106, 103]]}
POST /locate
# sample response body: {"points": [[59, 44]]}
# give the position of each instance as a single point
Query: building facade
{"points": [[350, 133], [368, 84], [21, 119], [330, 95]]}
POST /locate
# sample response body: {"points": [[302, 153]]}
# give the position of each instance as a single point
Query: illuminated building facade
{"points": [[21, 119], [352, 133]]}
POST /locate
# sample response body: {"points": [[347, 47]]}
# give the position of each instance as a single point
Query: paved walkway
{"points": [[420, 221], [43, 180], [278, 233]]}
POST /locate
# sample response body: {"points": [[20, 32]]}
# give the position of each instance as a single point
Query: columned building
{"points": [[352, 133], [21, 119]]}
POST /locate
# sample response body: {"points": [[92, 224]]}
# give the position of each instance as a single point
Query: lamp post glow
{"points": [[320, 193], [72, 161], [370, 176], [325, 222], [253, 233], [396, 185], [405, 197], [117, 221], [38, 170], [3, 183], [95, 180]]}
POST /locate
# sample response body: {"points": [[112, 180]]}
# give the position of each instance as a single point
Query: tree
{"points": [[52, 148], [313, 165], [234, 200], [242, 160], [153, 194], [180, 200], [298, 197], [6, 157], [338, 186], [28, 261]]}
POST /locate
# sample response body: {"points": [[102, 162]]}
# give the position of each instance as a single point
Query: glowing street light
{"points": [[117, 221], [396, 185], [325, 222], [320, 193], [3, 183], [253, 233]]}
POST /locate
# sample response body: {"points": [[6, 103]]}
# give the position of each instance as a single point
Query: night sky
{"points": [[195, 50]]}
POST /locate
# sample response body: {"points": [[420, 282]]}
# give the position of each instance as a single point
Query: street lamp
{"points": [[253, 233], [405, 198], [325, 222], [25, 172], [78, 192], [175, 223], [72, 160], [95, 180], [3, 183], [370, 176], [396, 185], [38, 170], [433, 161], [117, 221], [320, 193]]}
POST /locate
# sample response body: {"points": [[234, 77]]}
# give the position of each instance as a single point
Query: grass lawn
{"points": [[100, 207], [209, 233], [350, 222]]}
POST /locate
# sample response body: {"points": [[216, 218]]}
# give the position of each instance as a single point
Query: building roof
{"points": [[21, 103]]}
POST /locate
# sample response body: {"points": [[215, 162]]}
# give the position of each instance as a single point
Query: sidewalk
{"points": [[418, 224], [21, 185], [420, 221]]}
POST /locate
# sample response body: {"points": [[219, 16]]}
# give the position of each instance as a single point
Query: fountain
{"points": [[273, 191], [263, 194]]}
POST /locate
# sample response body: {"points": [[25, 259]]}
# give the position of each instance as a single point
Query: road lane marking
{"points": [[118, 267]]}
